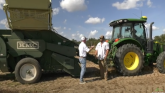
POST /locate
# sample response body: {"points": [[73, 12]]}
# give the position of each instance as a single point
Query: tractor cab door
{"points": [[139, 34], [126, 30]]}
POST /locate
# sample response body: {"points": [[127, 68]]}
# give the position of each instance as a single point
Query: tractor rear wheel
{"points": [[160, 62], [28, 71], [129, 60]]}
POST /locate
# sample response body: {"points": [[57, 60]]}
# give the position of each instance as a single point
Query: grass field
{"points": [[149, 81]]}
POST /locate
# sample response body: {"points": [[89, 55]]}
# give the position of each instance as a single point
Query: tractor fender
{"points": [[126, 41]]}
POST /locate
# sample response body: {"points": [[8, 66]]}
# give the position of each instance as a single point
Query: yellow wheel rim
{"points": [[131, 61]]}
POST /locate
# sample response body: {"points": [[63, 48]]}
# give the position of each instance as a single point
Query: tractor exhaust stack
{"points": [[150, 38], [150, 41]]}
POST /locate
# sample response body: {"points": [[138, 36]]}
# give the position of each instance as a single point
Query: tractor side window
{"points": [[126, 30], [139, 30], [116, 32]]}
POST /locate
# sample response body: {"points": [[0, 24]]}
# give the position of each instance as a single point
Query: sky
{"points": [[90, 18]]}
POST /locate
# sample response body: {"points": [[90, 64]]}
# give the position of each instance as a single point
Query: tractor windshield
{"points": [[129, 30], [122, 31]]}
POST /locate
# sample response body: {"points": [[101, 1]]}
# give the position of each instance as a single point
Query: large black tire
{"points": [[25, 64], [160, 62], [126, 55]]}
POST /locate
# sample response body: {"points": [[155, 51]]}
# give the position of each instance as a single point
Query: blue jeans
{"points": [[83, 68]]}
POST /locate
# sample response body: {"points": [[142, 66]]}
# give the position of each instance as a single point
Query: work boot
{"points": [[82, 82]]}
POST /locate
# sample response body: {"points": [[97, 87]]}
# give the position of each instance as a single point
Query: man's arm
{"points": [[107, 50], [96, 50], [96, 53], [91, 48], [87, 49]]}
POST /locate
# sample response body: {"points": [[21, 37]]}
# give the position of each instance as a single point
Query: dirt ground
{"points": [[147, 82]]}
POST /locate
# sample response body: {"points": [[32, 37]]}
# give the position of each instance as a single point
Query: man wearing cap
{"points": [[83, 49], [101, 53]]}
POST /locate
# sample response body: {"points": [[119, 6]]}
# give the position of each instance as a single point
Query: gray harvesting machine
{"points": [[30, 46]]}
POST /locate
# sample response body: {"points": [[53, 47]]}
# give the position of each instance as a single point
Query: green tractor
{"points": [[131, 50]]}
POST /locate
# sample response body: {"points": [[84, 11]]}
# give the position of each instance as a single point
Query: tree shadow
{"points": [[8, 91], [7, 76], [147, 70], [91, 72], [113, 73], [53, 76]]}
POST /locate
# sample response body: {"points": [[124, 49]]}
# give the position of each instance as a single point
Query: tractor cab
{"points": [[129, 28]]}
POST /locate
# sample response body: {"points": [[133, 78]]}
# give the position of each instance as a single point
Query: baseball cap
{"points": [[102, 36], [83, 38]]}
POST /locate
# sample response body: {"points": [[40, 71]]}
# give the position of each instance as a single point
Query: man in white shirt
{"points": [[102, 50], [83, 49]]}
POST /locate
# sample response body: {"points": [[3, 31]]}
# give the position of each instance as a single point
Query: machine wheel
{"points": [[129, 60], [160, 62], [28, 71]]}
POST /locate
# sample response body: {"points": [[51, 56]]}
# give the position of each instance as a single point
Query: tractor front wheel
{"points": [[160, 62], [129, 60]]}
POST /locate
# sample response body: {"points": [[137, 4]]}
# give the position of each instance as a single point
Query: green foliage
{"points": [[92, 42], [89, 42], [75, 41], [160, 38]]}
